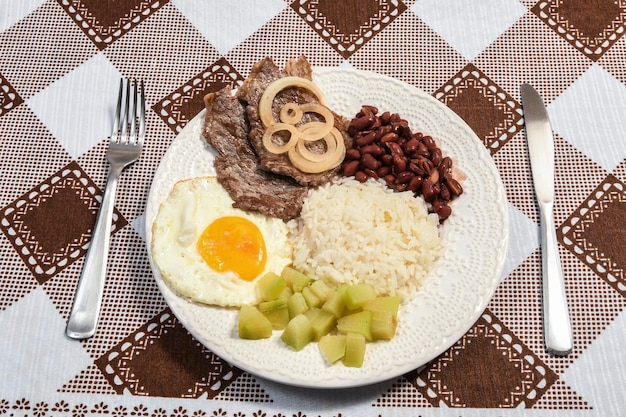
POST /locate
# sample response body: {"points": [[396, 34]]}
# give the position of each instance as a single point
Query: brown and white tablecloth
{"points": [[60, 64]]}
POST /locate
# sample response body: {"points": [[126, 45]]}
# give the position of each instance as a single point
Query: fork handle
{"points": [[88, 298]]}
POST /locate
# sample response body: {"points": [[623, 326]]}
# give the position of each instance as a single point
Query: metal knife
{"points": [[556, 321]]}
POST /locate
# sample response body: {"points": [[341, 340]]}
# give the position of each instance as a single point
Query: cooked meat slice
{"points": [[237, 166], [299, 68], [261, 76]]}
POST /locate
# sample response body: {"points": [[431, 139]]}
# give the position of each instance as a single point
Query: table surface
{"points": [[60, 64]]}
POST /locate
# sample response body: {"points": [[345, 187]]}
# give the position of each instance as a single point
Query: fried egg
{"points": [[211, 252]]}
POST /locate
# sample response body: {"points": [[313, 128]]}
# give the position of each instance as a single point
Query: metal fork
{"points": [[124, 148]]}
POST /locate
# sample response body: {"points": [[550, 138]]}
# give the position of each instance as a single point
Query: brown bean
{"points": [[415, 183], [422, 166], [395, 117], [384, 118], [416, 168], [434, 175], [442, 209], [383, 170], [387, 159], [398, 126], [404, 177], [370, 162], [353, 153], [454, 186], [380, 151], [428, 190], [436, 156], [444, 194], [350, 168], [429, 142], [360, 176], [389, 137], [422, 150], [366, 139], [382, 131], [369, 110], [437, 188], [411, 146], [362, 123], [370, 173], [444, 166], [399, 163], [405, 132], [373, 149], [389, 179], [395, 148]]}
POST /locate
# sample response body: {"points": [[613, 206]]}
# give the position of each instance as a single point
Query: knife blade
{"points": [[557, 328]]}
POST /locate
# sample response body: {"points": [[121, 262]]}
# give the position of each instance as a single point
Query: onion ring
{"points": [[329, 121], [265, 104], [294, 137], [300, 156], [291, 113], [332, 159], [331, 147]]}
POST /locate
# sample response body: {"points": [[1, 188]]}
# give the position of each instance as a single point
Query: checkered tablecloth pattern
{"points": [[60, 64]]}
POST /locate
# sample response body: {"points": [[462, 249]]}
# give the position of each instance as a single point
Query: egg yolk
{"points": [[234, 244]]}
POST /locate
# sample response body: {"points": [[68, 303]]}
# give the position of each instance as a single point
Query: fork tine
{"points": [[124, 122], [133, 114], [142, 115], [116, 123]]}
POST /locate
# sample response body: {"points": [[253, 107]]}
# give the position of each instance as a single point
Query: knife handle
{"points": [[557, 327]]}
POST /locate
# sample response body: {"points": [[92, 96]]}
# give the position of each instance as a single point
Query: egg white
{"points": [[192, 205]]}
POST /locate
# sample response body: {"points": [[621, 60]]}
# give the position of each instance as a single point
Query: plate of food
{"points": [[349, 178]]}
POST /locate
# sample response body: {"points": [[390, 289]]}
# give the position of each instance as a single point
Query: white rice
{"points": [[351, 232]]}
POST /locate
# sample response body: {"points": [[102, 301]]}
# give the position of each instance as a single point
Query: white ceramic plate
{"points": [[455, 293]]}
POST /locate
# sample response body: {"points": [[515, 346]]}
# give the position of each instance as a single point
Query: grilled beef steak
{"points": [[261, 76], [252, 188]]}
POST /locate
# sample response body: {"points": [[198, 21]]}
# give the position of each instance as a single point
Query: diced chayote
{"points": [[355, 350], [276, 311], [253, 324], [296, 279], [298, 332], [358, 294], [334, 304], [333, 347], [389, 303], [321, 290], [322, 322], [383, 325], [360, 323], [296, 305], [312, 300], [270, 286]]}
